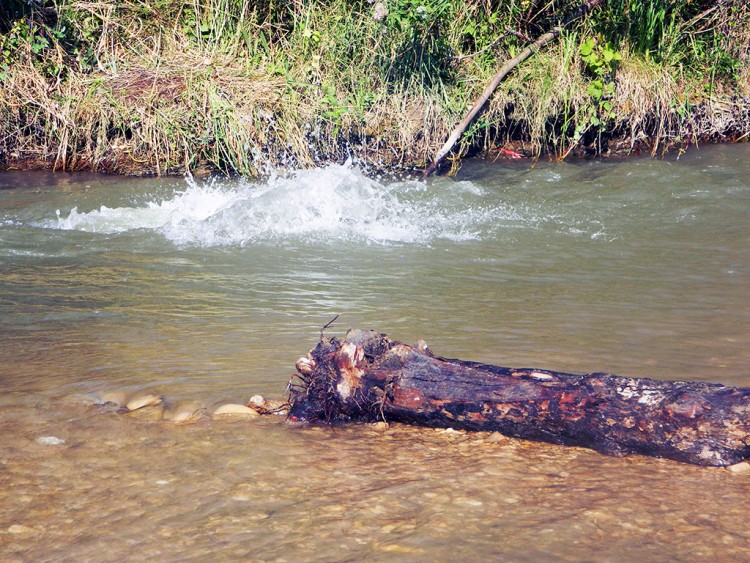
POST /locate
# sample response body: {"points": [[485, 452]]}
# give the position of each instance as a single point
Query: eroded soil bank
{"points": [[243, 87]]}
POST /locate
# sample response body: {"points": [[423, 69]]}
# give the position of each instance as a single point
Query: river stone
{"points": [[235, 410], [185, 413], [143, 400], [257, 402], [119, 398], [50, 441], [151, 413], [740, 467], [496, 437], [21, 530], [381, 426]]}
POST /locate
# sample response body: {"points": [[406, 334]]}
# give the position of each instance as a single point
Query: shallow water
{"points": [[208, 291]]}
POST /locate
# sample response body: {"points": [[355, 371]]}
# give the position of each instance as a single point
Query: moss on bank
{"points": [[169, 86]]}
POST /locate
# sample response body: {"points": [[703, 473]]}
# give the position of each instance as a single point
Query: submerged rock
{"points": [[262, 405], [150, 407], [235, 410], [128, 400], [21, 530], [740, 467], [117, 398], [150, 413], [143, 400], [185, 413]]}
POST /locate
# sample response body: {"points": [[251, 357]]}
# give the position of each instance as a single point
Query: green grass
{"points": [[176, 86]]}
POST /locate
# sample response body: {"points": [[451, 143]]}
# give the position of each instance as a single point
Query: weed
{"points": [[170, 86], [419, 54], [600, 62]]}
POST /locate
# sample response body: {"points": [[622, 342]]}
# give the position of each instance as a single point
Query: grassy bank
{"points": [[165, 86]]}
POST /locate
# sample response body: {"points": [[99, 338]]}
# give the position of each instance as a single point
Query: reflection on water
{"points": [[210, 290]]}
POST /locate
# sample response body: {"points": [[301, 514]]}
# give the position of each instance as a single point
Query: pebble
{"points": [[381, 426], [144, 400], [50, 441], [256, 401], [396, 548], [185, 413], [236, 410], [20, 529], [468, 501], [151, 413], [740, 467], [118, 398]]}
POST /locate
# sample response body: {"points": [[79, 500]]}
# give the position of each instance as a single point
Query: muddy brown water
{"points": [[207, 291]]}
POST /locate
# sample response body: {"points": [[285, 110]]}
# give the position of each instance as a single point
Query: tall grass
{"points": [[177, 86]]}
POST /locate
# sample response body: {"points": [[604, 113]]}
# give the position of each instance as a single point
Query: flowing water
{"points": [[207, 291]]}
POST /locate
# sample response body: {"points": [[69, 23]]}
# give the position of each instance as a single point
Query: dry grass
{"points": [[159, 96]]}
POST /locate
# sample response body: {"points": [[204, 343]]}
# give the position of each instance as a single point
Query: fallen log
{"points": [[369, 377]]}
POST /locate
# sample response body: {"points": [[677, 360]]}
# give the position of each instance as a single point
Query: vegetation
{"points": [[176, 86]]}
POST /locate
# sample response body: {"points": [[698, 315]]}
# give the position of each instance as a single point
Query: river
{"points": [[206, 291]]}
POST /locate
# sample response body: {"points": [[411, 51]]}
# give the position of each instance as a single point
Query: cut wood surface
{"points": [[368, 377]]}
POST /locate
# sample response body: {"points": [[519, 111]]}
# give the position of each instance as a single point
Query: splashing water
{"points": [[338, 202]]}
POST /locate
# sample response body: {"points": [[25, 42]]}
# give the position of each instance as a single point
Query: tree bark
{"points": [[584, 8], [368, 377]]}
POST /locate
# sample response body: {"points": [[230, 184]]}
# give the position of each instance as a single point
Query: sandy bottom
{"points": [[79, 481]]}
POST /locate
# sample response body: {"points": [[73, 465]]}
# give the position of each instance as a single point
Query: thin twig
{"points": [[327, 325], [518, 34], [585, 7], [482, 50]]}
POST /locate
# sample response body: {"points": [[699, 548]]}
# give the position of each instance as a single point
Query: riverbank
{"points": [[238, 87]]}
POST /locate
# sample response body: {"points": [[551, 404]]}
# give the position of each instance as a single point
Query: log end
{"points": [[331, 387]]}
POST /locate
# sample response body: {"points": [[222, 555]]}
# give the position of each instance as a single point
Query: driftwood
{"points": [[583, 9], [368, 377]]}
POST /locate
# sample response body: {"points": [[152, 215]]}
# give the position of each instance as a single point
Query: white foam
{"points": [[337, 202], [194, 204]]}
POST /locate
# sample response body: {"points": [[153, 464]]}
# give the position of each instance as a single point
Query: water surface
{"points": [[208, 290]]}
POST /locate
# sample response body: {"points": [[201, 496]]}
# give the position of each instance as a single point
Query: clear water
{"points": [[208, 291]]}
